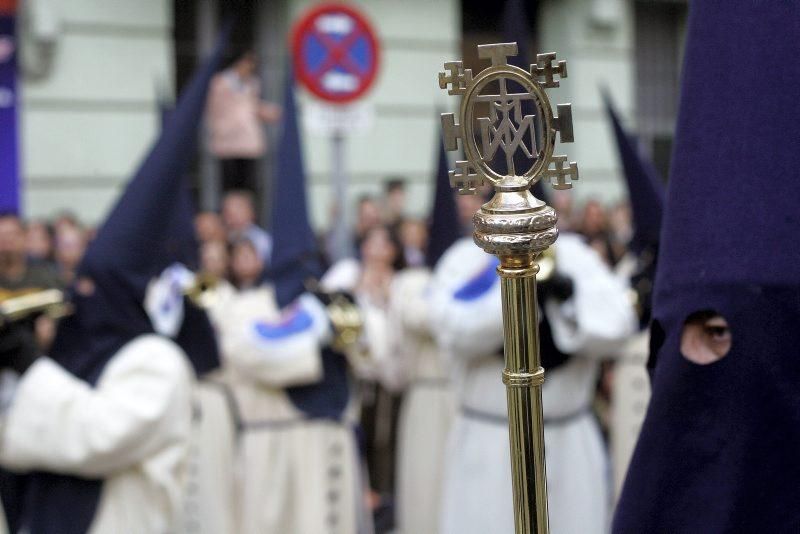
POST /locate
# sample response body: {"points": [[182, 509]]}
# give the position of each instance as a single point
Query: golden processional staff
{"points": [[516, 227]]}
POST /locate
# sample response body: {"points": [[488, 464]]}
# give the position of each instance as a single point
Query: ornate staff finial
{"points": [[505, 127], [515, 226]]}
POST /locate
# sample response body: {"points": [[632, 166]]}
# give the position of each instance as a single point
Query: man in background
{"points": [[236, 115], [239, 218], [16, 272], [394, 202]]}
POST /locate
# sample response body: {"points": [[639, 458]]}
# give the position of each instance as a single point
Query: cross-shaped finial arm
{"points": [[456, 77], [563, 123], [498, 53], [464, 179], [563, 174], [544, 68], [451, 131]]}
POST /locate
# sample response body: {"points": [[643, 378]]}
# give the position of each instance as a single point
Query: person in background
{"points": [[370, 280], [394, 202], [595, 229], [209, 227], [414, 238], [381, 257], [428, 407], [620, 226], [71, 244], [39, 241], [466, 207], [636, 222], [214, 259], [16, 270], [298, 460], [563, 203], [100, 427], [585, 316], [718, 448], [65, 219], [368, 217], [246, 266], [236, 115], [239, 219]]}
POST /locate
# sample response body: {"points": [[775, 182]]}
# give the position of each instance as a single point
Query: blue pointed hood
{"points": [[444, 229], [718, 448], [295, 253], [296, 259], [145, 232], [148, 229], [645, 188]]}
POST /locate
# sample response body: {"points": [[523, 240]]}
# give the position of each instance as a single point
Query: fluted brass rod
{"points": [[516, 227], [523, 377]]}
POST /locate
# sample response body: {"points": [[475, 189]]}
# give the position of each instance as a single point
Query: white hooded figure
{"points": [[467, 318], [295, 471], [427, 411], [100, 427]]}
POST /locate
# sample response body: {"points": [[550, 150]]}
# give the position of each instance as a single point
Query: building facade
{"points": [[99, 69]]}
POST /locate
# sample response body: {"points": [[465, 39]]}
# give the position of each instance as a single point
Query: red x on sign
{"points": [[335, 52]]}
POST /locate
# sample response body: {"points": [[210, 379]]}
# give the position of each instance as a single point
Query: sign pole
{"points": [[342, 245]]}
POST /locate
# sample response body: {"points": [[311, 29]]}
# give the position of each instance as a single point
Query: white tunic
{"points": [[296, 475], [477, 495], [630, 396], [132, 430], [209, 505], [428, 405]]}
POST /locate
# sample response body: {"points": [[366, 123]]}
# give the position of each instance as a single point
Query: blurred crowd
{"points": [[233, 247], [235, 251]]}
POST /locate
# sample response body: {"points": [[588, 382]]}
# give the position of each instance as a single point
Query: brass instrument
{"points": [[203, 290], [547, 265], [515, 226], [19, 305], [347, 321], [26, 303]]}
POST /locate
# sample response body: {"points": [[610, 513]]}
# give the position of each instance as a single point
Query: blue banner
{"points": [[9, 140]]}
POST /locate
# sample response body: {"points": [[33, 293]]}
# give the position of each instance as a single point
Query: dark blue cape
{"points": [[718, 451], [296, 260], [646, 197]]}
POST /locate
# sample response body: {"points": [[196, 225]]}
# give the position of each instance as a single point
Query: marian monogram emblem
{"points": [[516, 134]]}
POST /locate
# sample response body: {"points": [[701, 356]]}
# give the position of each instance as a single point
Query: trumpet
{"points": [[347, 322], [547, 265], [203, 290], [25, 303]]}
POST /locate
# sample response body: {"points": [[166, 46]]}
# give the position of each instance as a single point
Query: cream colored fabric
{"points": [[630, 397], [428, 405], [250, 357], [132, 430], [477, 494], [210, 503], [294, 475]]}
